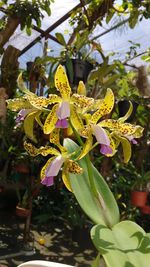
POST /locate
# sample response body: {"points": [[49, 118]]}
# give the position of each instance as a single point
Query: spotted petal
{"points": [[43, 150], [86, 147], [55, 139], [82, 101], [75, 118], [74, 167], [122, 128], [29, 125], [62, 83], [43, 170], [51, 120], [66, 180], [105, 107], [38, 102], [18, 104]]}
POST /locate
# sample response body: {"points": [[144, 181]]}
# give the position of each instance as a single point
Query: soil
{"points": [[58, 242]]}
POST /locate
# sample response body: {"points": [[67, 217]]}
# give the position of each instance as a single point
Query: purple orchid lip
{"points": [[55, 166], [62, 124], [106, 149], [63, 110], [48, 181], [21, 115], [101, 135]]}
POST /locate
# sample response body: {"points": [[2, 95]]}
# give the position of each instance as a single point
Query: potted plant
{"points": [[140, 192], [114, 239]]}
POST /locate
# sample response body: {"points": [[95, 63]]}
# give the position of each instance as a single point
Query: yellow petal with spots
{"points": [[37, 118], [75, 118], [126, 146], [52, 99], [122, 128], [29, 126], [38, 102], [62, 83], [86, 147], [74, 167], [17, 104], [43, 170], [81, 90], [51, 120], [105, 107], [81, 101], [55, 139], [44, 150], [112, 145], [85, 131], [66, 180]]}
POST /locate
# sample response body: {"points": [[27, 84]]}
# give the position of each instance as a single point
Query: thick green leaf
{"points": [[60, 38], [103, 210], [126, 244]]}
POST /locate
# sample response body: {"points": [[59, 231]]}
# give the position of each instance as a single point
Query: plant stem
{"points": [[89, 165]]}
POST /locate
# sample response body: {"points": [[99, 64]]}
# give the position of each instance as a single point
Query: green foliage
{"points": [[126, 242]]}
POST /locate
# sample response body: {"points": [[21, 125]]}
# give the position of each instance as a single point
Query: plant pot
{"points": [[139, 198], [123, 107], [22, 212], [145, 209], [81, 70], [22, 168]]}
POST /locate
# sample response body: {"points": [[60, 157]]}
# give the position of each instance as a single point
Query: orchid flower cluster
{"points": [[86, 117]]}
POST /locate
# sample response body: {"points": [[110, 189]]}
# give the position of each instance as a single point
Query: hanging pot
{"points": [[80, 71], [123, 107], [145, 209], [139, 198]]}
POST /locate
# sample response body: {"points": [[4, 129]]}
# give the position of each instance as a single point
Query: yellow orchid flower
{"points": [[93, 128], [110, 133], [65, 106], [54, 164]]}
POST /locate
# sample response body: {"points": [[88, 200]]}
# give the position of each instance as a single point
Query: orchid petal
{"points": [[62, 124], [126, 149], [74, 167], [18, 104], [106, 149], [122, 128], [55, 139], [128, 114], [138, 131], [43, 150], [48, 181], [61, 83], [81, 101], [21, 115], [85, 131], [81, 90], [101, 135], [63, 110], [66, 180], [39, 102], [29, 125], [105, 107], [43, 170], [86, 147], [22, 86], [75, 118], [51, 120], [55, 166]]}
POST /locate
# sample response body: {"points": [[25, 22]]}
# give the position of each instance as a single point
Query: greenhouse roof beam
{"points": [[51, 28]]}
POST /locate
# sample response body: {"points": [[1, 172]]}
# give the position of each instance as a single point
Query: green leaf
{"points": [[126, 243], [60, 38], [103, 210], [29, 126]]}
